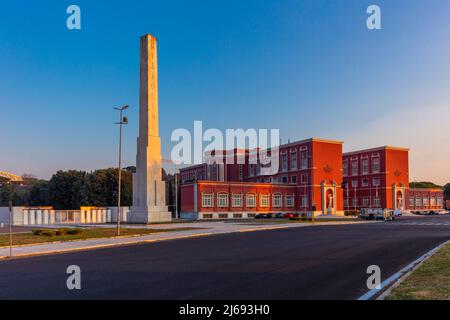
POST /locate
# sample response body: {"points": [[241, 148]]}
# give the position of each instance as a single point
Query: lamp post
{"points": [[122, 121], [11, 221]]}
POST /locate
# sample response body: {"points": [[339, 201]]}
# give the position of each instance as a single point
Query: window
{"points": [[304, 201], [207, 216], [425, 201], [289, 201], [354, 183], [365, 182], [264, 200], [346, 202], [418, 201], [433, 201], [376, 182], [294, 179], [277, 200], [365, 202], [251, 170], [237, 215], [411, 202], [440, 202], [223, 216], [236, 200], [251, 215], [304, 178], [355, 202], [376, 165], [284, 163], [345, 168], [365, 166], [377, 202], [354, 167], [207, 200], [304, 160], [294, 160], [284, 179], [222, 200], [251, 200]]}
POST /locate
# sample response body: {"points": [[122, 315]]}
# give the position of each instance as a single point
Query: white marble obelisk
{"points": [[149, 191]]}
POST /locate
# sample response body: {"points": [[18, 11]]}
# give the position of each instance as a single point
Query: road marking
{"points": [[392, 280]]}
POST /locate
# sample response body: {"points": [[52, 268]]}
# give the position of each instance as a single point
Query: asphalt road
{"points": [[326, 262]]}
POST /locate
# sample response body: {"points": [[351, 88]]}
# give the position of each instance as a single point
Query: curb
{"points": [[101, 246], [394, 281]]}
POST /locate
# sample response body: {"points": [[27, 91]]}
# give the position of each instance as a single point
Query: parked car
{"points": [[264, 216], [397, 213], [377, 214]]}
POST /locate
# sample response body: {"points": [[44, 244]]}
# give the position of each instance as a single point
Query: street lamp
{"points": [[122, 121]]}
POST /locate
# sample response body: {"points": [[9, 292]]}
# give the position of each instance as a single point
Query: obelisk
{"points": [[149, 191]]}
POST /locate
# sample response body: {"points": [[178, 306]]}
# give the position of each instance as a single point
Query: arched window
{"points": [[264, 200], [207, 200], [236, 200], [277, 200], [222, 200], [250, 200]]}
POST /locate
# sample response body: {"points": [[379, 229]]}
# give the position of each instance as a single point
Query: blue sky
{"points": [[310, 68]]}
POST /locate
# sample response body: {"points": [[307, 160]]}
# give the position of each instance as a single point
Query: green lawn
{"points": [[431, 281], [88, 233]]}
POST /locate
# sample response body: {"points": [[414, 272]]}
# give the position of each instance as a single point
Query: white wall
{"points": [[123, 213], [17, 215], [4, 215]]}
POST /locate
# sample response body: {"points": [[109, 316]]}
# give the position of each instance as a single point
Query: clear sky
{"points": [[308, 67]]}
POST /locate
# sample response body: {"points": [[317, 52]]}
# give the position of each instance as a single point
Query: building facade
{"points": [[313, 177], [376, 178], [420, 199], [308, 179]]}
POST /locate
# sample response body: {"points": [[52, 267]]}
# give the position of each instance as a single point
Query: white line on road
{"points": [[392, 279]]}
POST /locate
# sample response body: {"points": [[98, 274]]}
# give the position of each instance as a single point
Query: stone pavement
{"points": [[204, 229]]}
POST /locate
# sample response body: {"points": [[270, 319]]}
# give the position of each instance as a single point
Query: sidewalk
{"points": [[205, 229]]}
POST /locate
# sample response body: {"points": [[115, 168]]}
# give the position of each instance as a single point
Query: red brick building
{"points": [[313, 176], [425, 199], [309, 180], [376, 178]]}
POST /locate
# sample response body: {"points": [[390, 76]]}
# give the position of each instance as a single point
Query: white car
{"points": [[397, 213]]}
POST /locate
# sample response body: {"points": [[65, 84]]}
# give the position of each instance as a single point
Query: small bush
{"points": [[73, 231], [63, 231], [48, 233], [37, 232]]}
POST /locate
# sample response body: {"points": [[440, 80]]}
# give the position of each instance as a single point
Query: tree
{"points": [[67, 190], [424, 184], [39, 193], [6, 192], [101, 187], [447, 191]]}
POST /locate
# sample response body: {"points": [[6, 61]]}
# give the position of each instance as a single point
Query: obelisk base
{"points": [[149, 215]]}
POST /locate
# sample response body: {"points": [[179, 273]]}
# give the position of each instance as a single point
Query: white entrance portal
{"points": [[398, 197], [329, 198]]}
